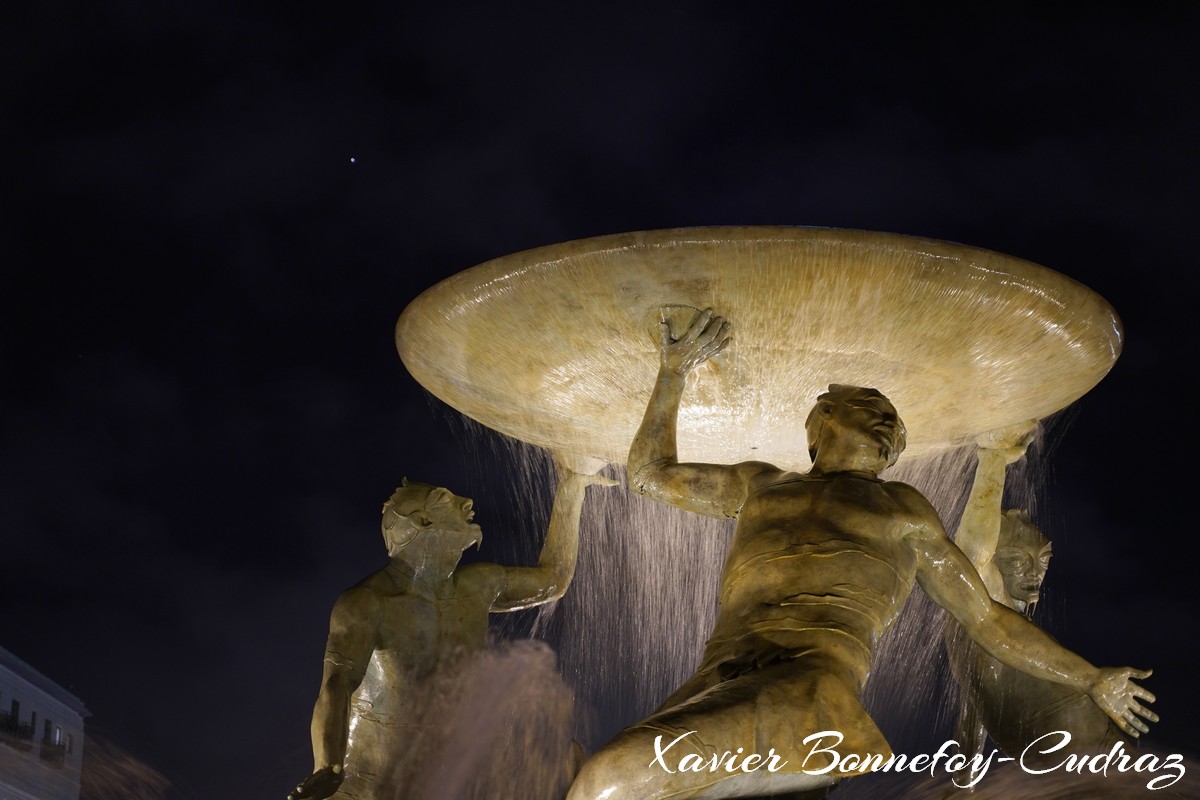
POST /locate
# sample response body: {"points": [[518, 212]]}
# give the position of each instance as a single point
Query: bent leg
{"points": [[711, 746], [745, 736], [653, 763]]}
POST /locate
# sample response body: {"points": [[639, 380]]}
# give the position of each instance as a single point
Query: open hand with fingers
{"points": [[1118, 696], [707, 336], [1013, 440], [321, 784]]}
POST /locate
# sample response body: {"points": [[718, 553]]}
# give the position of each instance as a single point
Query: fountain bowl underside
{"points": [[555, 346]]}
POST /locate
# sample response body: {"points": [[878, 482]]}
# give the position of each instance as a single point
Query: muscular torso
{"points": [[816, 561], [409, 633], [420, 632]]}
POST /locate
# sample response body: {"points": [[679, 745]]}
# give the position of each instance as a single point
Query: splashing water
{"points": [[633, 624], [110, 773], [499, 728], [633, 628]]}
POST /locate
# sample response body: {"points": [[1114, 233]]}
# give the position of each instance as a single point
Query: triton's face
{"points": [[442, 516], [1023, 565], [874, 417], [451, 514]]}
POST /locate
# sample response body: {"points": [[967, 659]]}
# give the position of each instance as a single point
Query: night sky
{"points": [[214, 213]]}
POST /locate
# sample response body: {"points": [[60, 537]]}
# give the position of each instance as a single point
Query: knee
{"points": [[594, 781], [611, 775]]}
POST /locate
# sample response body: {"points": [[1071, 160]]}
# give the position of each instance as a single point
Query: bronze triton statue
{"points": [[1011, 555], [389, 634], [819, 567]]}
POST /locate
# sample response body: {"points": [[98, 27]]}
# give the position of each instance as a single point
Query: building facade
{"points": [[41, 735]]}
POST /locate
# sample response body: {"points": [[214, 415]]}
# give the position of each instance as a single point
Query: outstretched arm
{"points": [[979, 529], [351, 640], [525, 587], [949, 579], [712, 489]]}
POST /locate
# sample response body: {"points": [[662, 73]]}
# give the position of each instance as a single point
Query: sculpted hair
{"points": [[1018, 530], [837, 393], [406, 500], [408, 497]]}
